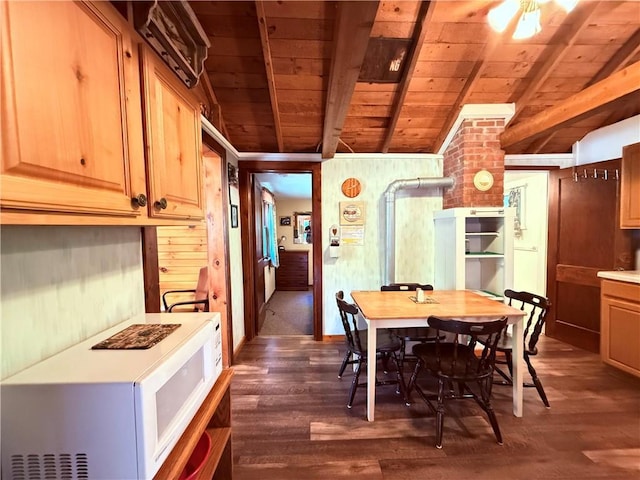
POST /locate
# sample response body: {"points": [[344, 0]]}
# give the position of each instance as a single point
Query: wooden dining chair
{"points": [[356, 354], [409, 334], [201, 294], [537, 306], [458, 365]]}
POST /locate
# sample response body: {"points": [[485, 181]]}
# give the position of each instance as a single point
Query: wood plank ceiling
{"points": [[285, 73]]}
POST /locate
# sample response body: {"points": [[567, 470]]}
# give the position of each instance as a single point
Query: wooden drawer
{"points": [[293, 272]]}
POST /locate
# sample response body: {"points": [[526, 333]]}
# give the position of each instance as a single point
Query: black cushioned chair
{"points": [[537, 307], [460, 369], [410, 334], [356, 340]]}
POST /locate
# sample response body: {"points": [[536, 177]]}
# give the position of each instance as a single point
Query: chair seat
{"points": [[506, 345], [438, 358], [414, 333], [385, 342]]}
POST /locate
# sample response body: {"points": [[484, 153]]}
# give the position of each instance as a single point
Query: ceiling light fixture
{"points": [[529, 21]]}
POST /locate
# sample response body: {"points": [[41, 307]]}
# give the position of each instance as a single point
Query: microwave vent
{"points": [[50, 466]]}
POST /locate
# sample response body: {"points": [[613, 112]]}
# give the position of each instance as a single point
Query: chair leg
{"points": [[440, 413], [402, 388], [345, 361], [414, 376], [485, 392], [354, 382], [509, 357], [385, 363], [537, 382]]}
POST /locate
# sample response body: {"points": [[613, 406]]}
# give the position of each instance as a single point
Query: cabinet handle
{"points": [[139, 200], [160, 204]]}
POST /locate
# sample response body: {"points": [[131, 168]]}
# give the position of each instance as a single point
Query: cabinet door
{"points": [[173, 143], [630, 187], [70, 112]]}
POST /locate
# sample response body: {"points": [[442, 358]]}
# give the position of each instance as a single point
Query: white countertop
{"points": [[631, 276]]}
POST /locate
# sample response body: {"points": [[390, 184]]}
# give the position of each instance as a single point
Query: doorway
{"points": [[254, 264]]}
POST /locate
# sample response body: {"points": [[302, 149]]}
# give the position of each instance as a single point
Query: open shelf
{"points": [[214, 415]]}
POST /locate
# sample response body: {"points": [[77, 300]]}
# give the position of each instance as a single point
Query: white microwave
{"points": [[109, 414]]}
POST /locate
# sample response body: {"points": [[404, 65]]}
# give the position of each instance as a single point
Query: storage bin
{"points": [[198, 458]]}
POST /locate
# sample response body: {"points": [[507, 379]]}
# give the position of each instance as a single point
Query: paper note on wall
{"points": [[352, 235]]}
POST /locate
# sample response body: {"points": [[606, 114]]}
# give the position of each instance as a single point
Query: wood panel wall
{"points": [[182, 252]]}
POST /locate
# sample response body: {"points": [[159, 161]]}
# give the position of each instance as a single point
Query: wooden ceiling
{"points": [[285, 73]]}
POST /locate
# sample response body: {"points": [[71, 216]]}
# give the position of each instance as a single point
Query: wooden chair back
{"points": [[349, 317], [537, 306]]}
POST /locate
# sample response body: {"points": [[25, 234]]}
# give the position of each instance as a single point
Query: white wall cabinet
{"points": [[474, 249]]}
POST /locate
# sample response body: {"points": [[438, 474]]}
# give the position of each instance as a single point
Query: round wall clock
{"points": [[483, 180], [351, 187]]}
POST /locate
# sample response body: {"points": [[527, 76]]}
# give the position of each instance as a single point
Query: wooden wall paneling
{"points": [[182, 252]]}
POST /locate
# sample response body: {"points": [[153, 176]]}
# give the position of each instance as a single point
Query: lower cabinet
{"points": [[620, 325], [214, 416]]}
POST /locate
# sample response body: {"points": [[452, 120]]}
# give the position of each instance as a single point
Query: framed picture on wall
{"points": [[285, 220], [234, 216]]}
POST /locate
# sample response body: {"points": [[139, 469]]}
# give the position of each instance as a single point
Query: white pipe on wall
{"points": [[389, 272]]}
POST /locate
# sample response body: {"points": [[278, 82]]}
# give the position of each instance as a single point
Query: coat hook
{"points": [[595, 173], [575, 176], [606, 174], [585, 174]]}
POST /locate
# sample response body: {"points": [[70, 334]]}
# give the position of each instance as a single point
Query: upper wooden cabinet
{"points": [[70, 112], [173, 142], [630, 187], [88, 136]]}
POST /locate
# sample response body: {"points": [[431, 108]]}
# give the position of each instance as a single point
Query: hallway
{"points": [[289, 313]]}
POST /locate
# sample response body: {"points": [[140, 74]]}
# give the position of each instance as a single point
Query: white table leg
{"points": [[371, 370], [518, 367]]}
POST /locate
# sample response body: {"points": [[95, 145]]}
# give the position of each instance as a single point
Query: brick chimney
{"points": [[474, 147]]}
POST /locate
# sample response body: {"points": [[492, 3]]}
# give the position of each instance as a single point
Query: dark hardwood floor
{"points": [[290, 422]]}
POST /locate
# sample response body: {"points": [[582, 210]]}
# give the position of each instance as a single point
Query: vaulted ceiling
{"points": [[285, 74]]}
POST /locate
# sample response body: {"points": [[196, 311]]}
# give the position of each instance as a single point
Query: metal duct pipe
{"points": [[389, 273]]}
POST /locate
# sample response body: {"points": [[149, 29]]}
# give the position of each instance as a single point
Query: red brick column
{"points": [[474, 147]]}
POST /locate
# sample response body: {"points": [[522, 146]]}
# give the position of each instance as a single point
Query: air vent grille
{"points": [[49, 466]]}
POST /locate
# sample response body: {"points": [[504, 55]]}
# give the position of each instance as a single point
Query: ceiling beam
{"points": [[565, 38], [496, 40], [620, 59], [419, 34], [576, 107], [353, 24], [615, 63], [268, 66]]}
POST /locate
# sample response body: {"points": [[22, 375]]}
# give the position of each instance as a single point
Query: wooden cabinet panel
{"points": [[173, 143], [630, 187], [293, 272], [620, 328], [215, 416], [70, 111]]}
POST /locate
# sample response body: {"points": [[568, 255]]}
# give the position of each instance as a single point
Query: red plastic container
{"points": [[197, 459]]}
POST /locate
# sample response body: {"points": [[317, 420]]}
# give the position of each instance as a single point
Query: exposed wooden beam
{"points": [[555, 52], [476, 72], [353, 24], [620, 59], [419, 34], [576, 107], [268, 66]]}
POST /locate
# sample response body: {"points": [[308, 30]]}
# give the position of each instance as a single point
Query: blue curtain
{"points": [[272, 235]]}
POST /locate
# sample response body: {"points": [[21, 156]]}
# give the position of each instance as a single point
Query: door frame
{"points": [[246, 170]]}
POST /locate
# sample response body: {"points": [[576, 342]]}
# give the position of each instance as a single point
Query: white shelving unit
{"points": [[474, 250]]}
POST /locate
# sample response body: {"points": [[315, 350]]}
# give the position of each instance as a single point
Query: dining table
{"points": [[402, 309]]}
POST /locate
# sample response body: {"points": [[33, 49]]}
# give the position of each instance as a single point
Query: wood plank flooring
{"points": [[290, 422]]}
